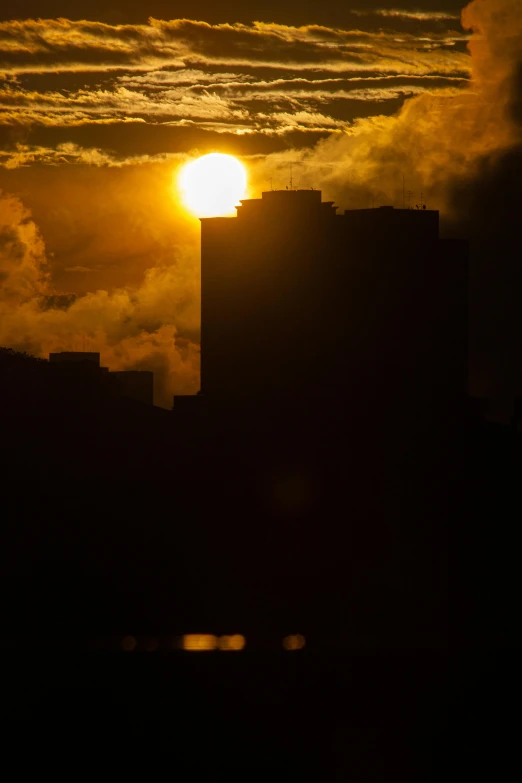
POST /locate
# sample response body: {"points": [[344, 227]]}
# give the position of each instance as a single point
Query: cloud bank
{"points": [[257, 79]]}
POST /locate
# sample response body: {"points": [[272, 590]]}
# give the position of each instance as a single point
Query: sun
{"points": [[212, 186]]}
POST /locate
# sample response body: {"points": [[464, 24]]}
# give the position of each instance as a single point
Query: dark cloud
{"points": [[486, 205], [515, 104], [58, 301], [71, 57], [67, 81], [128, 140], [35, 45], [289, 12]]}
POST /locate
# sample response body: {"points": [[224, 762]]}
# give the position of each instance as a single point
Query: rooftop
{"points": [[75, 356], [288, 200], [294, 202]]}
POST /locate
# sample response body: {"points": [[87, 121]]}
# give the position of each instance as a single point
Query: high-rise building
{"points": [[300, 303]]}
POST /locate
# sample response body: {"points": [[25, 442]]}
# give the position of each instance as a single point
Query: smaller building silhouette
{"points": [[75, 356], [83, 366]]}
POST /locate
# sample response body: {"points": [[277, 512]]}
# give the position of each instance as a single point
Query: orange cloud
{"points": [[231, 78], [23, 273], [61, 44], [134, 327]]}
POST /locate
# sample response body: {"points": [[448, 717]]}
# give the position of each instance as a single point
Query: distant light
{"points": [[294, 642], [129, 643], [152, 645], [228, 643], [199, 642]]}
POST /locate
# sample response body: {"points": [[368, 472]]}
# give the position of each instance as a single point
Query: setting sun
{"points": [[212, 185]]}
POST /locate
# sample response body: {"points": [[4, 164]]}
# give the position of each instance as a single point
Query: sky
{"points": [[100, 105]]}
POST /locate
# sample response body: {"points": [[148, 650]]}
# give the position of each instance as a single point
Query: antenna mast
{"points": [[291, 180]]}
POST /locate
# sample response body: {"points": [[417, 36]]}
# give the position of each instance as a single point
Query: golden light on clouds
{"points": [[108, 111], [213, 185]]}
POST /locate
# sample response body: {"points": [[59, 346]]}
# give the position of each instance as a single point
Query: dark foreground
{"points": [[394, 555]]}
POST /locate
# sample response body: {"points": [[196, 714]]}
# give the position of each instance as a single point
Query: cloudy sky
{"points": [[100, 107], [104, 92]]}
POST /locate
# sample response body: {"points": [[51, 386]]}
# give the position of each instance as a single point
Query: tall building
{"points": [[300, 303]]}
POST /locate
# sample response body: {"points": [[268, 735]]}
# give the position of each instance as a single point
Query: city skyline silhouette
{"points": [[261, 384]]}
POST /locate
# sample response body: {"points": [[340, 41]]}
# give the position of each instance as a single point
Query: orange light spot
{"points": [[199, 642], [228, 643], [129, 643], [294, 642]]}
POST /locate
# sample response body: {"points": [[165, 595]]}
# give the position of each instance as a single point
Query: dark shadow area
{"points": [[315, 487]]}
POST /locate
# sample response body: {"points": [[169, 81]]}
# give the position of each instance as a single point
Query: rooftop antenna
{"points": [[409, 194], [271, 185], [403, 193], [291, 179]]}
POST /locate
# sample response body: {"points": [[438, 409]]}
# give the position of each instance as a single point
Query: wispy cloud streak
{"points": [[259, 78]]}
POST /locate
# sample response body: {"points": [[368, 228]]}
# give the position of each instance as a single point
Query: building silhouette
{"points": [[137, 385], [301, 306], [78, 357], [121, 522]]}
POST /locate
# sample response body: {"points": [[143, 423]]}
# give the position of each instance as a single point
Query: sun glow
{"points": [[212, 185]]}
